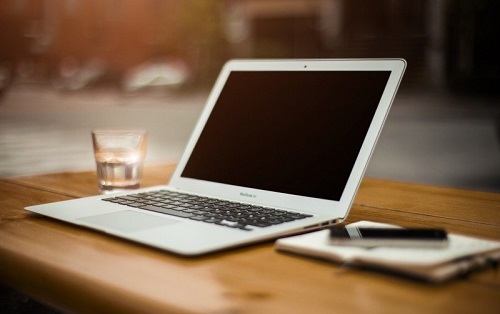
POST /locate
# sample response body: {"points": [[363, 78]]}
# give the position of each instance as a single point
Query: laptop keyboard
{"points": [[209, 210]]}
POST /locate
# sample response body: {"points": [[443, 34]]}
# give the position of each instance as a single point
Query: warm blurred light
{"points": [[443, 41]]}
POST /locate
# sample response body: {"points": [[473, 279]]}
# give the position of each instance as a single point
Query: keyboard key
{"points": [[166, 211]]}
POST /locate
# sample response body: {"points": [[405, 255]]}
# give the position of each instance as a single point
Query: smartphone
{"points": [[373, 237]]}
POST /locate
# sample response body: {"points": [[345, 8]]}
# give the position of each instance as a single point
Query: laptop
{"points": [[280, 148]]}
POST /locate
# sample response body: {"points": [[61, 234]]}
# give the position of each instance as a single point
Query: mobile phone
{"points": [[372, 237]]}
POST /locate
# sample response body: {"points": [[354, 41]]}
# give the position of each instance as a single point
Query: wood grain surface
{"points": [[80, 270]]}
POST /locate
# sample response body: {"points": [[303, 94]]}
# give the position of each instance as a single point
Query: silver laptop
{"points": [[280, 148]]}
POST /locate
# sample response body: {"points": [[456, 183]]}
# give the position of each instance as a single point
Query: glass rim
{"points": [[119, 131]]}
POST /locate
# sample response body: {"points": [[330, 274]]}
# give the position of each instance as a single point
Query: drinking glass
{"points": [[119, 156]]}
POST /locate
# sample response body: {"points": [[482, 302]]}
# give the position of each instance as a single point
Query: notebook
{"points": [[284, 137], [461, 257]]}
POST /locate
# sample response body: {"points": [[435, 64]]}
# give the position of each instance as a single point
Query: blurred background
{"points": [[67, 66]]}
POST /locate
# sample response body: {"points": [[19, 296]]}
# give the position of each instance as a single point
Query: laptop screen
{"points": [[294, 132]]}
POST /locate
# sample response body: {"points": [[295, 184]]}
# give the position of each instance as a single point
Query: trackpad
{"points": [[127, 221]]}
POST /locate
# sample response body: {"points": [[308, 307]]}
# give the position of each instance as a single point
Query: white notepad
{"points": [[462, 255]]}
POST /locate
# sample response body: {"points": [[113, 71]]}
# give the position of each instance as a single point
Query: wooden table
{"points": [[85, 271]]}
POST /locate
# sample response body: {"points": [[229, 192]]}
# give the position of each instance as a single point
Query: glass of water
{"points": [[119, 156]]}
